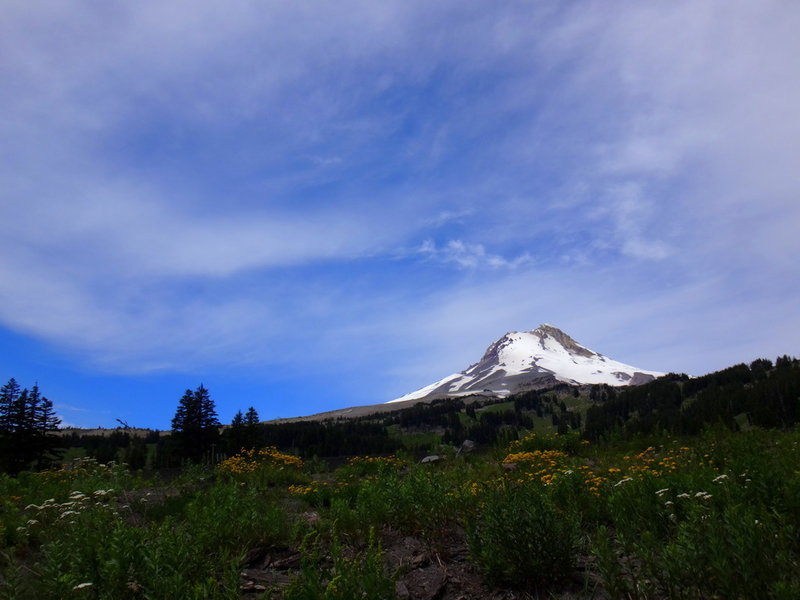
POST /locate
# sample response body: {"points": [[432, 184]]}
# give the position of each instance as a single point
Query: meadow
{"points": [[543, 516]]}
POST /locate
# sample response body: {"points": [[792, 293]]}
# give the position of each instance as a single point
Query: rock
{"points": [[467, 446], [311, 517], [289, 562], [425, 583]]}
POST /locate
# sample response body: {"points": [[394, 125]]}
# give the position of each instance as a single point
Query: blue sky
{"points": [[308, 205]]}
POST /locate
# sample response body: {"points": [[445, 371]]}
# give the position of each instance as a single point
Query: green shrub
{"points": [[362, 575], [521, 538]]}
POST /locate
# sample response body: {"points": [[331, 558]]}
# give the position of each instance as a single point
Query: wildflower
{"points": [[80, 586], [661, 492], [33, 522], [623, 480], [719, 478], [684, 495], [668, 503]]}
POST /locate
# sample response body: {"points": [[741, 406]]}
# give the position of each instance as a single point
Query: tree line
{"points": [[761, 394]]}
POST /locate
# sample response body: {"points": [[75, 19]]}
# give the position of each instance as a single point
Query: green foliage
{"points": [[341, 577], [569, 442], [716, 515], [520, 538], [96, 543]]}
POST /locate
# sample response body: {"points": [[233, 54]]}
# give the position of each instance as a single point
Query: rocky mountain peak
{"points": [[570, 345], [523, 360]]}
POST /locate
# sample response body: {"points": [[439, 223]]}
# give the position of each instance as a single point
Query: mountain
{"points": [[525, 360]]}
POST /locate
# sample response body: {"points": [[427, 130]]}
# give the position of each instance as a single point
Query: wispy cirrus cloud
{"points": [[470, 256], [189, 185]]}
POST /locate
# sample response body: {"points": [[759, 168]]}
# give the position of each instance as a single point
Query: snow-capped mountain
{"points": [[525, 360]]}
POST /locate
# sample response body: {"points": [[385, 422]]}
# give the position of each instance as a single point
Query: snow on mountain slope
{"points": [[523, 360]]}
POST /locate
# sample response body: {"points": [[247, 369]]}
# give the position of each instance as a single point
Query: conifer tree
{"points": [[195, 426], [8, 395], [236, 435], [252, 428], [251, 417], [26, 421]]}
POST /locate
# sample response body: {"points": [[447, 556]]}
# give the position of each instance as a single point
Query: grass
{"points": [[416, 441], [712, 516]]}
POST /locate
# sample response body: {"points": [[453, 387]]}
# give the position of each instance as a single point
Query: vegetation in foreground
{"points": [[715, 515], [681, 488]]}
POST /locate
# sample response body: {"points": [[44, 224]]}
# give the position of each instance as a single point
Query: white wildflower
{"points": [[80, 586], [668, 503], [720, 478], [661, 492], [32, 522], [684, 495], [30, 506]]}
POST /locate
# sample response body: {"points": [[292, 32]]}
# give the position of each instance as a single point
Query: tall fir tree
{"points": [[195, 426], [253, 429], [251, 417], [8, 396], [45, 422], [236, 435]]}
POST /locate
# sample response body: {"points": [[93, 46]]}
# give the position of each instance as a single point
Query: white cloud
{"points": [[470, 256], [176, 177]]}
